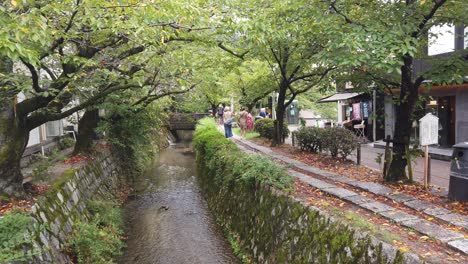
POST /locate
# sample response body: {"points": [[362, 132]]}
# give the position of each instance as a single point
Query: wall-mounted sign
{"points": [[429, 130]]}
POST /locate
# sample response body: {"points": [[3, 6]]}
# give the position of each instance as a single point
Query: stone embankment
{"points": [[55, 215], [326, 182]]}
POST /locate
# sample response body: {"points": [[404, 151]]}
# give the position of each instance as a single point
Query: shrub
{"points": [[14, 238], [340, 141], [310, 138], [66, 142], [265, 127], [93, 243], [100, 240], [107, 213], [225, 163]]}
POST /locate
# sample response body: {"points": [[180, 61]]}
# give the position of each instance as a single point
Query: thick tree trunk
{"points": [[280, 110], [214, 109], [400, 141], [403, 120], [249, 107], [86, 131], [13, 139]]}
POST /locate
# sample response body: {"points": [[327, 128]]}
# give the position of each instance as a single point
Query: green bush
{"points": [[340, 141], [221, 158], [100, 240], [265, 127], [310, 138], [14, 238], [107, 213], [66, 142], [93, 243]]}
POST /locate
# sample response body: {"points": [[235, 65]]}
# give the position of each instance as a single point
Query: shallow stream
{"points": [[168, 221]]}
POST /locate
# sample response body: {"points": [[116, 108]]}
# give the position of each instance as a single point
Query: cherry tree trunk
{"points": [[13, 139]]}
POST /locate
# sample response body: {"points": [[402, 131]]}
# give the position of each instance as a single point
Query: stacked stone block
{"points": [[55, 214]]}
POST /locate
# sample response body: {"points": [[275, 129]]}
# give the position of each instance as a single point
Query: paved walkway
{"points": [[440, 170], [326, 182]]}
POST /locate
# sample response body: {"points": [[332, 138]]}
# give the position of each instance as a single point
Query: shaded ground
{"points": [[41, 175]]}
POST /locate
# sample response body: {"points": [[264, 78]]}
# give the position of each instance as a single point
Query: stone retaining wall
{"points": [[272, 227], [55, 214]]}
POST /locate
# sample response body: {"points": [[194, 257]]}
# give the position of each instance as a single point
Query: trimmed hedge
{"points": [[337, 140], [267, 225], [265, 128], [228, 164]]}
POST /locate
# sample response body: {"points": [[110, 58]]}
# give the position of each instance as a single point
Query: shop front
{"points": [[356, 112]]}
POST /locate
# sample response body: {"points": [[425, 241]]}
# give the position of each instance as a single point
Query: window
{"points": [[441, 39], [54, 128]]}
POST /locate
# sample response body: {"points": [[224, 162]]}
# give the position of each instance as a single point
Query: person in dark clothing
{"points": [[220, 113]]}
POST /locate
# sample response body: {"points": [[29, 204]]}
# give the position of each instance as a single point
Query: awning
{"points": [[338, 97]]}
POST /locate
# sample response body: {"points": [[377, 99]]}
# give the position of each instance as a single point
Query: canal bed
{"points": [[168, 221]]}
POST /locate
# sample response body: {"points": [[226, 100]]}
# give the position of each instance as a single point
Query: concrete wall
{"points": [[461, 112], [55, 215]]}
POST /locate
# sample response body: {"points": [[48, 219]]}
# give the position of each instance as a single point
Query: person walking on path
{"points": [[243, 122], [220, 112], [227, 120], [263, 113], [250, 122]]}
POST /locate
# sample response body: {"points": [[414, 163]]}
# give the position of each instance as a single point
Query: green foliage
{"points": [[305, 236], [222, 159], [108, 213], [310, 138], [99, 240], [135, 136], [15, 238], [309, 100], [46, 162], [340, 141], [265, 127], [66, 142], [93, 243]]}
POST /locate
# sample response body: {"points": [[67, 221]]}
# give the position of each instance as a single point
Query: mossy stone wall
{"points": [[271, 227], [55, 214]]}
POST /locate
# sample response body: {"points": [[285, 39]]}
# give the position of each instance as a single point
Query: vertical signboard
{"points": [[357, 115], [428, 135], [366, 111], [429, 130]]}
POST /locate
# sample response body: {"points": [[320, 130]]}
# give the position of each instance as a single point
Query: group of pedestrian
{"points": [[226, 118]]}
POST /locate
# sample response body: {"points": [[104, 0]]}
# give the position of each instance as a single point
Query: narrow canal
{"points": [[169, 221]]}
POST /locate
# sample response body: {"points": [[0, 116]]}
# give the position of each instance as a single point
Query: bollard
{"points": [[358, 154]]}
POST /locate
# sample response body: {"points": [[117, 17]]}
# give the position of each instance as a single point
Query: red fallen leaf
{"points": [[76, 159]]}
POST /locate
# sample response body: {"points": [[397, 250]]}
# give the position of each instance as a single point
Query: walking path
{"points": [[440, 169], [412, 215]]}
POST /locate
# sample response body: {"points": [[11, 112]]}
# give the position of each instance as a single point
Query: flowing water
{"points": [[169, 221]]}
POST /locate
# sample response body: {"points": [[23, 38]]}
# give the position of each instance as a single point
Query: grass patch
{"points": [[249, 135]]}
